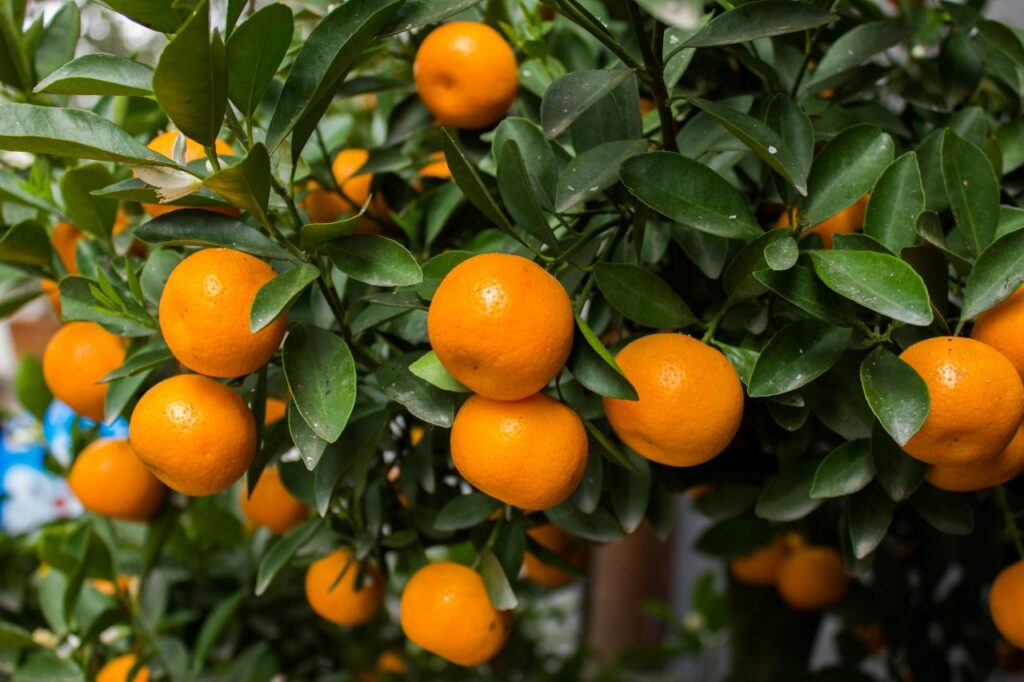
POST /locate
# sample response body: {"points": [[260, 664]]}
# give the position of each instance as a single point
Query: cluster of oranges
{"points": [[807, 577]]}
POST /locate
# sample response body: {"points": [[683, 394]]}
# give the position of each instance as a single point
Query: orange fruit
{"points": [[76, 358], [647, 105], [164, 144], [691, 400], [321, 205], [761, 567], [196, 435], [977, 401], [337, 599], [850, 219], [987, 473], [1000, 327], [108, 479], [275, 410], [391, 662], [416, 434], [65, 240], [127, 584], [529, 453], [271, 505], [326, 206], [812, 578], [445, 609], [466, 74], [501, 325], [1006, 602], [436, 167], [118, 669], [52, 292], [553, 538], [204, 313]]}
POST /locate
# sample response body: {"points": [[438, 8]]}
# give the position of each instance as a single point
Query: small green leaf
{"points": [[375, 260], [496, 582], [899, 473], [844, 471], [99, 74], [92, 214], [896, 393], [195, 227], [465, 511], [642, 296], [781, 254], [245, 184], [430, 369], [845, 170], [973, 191], [254, 52], [787, 497], [870, 517], [422, 399], [949, 513], [281, 552], [594, 171], [877, 281], [321, 377], [852, 49], [594, 367], [572, 94], [896, 203], [997, 274], [756, 20], [277, 295], [797, 355]]}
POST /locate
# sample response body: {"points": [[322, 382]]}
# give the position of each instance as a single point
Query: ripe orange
{"points": [[559, 542], [271, 505], [204, 313], [436, 167], [391, 662], [336, 598], [118, 669], [275, 411], [529, 453], [987, 473], [762, 566], [164, 144], [977, 401], [445, 610], [196, 435], [1000, 327], [52, 292], [466, 74], [691, 400], [850, 219], [75, 359], [325, 206], [501, 325], [812, 578], [1006, 602], [108, 479], [65, 240]]}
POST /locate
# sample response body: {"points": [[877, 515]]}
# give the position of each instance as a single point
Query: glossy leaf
{"points": [[642, 296], [194, 227], [159, 15], [787, 497], [468, 180], [594, 367], [899, 473], [465, 511], [592, 172], [973, 191], [254, 52], [281, 552], [59, 39], [855, 47], [845, 170], [247, 183], [496, 582], [430, 369], [519, 196], [277, 295], [802, 288], [418, 13], [949, 513], [896, 393], [877, 281], [871, 514], [997, 274], [755, 20], [375, 260], [897, 201], [572, 94], [844, 471], [99, 74], [797, 355], [26, 243], [422, 399], [321, 377]]}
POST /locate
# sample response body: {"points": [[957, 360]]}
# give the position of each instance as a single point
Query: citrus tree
{"points": [[435, 292]]}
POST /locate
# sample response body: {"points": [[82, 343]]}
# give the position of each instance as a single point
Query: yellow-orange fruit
{"points": [[118, 670], [65, 241], [196, 435], [977, 401], [108, 479], [436, 167], [850, 219], [275, 410], [337, 599], [1000, 327], [691, 400], [76, 358], [813, 578], [556, 540], [501, 325], [52, 292], [1006, 602], [987, 473], [466, 74], [164, 144], [271, 505], [325, 206], [762, 566], [445, 610], [204, 313], [529, 453]]}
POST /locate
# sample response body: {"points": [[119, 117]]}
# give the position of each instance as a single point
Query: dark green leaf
{"points": [[855, 47], [423, 400], [247, 183], [418, 13], [755, 20], [600, 526], [496, 582], [950, 513], [254, 51], [642, 296], [735, 537], [899, 473], [877, 281], [631, 493], [727, 500], [997, 274], [519, 196], [973, 191], [472, 186], [897, 201], [99, 74], [844, 471], [594, 367], [214, 626], [870, 516], [845, 170], [193, 227], [572, 94], [896, 393], [92, 214], [787, 497], [594, 171], [321, 378], [311, 446], [159, 15], [275, 297], [30, 387], [26, 243], [375, 260], [282, 551], [797, 355], [465, 511], [60, 37], [430, 369], [803, 289]]}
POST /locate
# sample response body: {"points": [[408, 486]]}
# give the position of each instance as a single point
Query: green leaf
{"points": [[46, 666], [430, 369], [281, 552], [642, 296], [949, 513], [997, 274], [30, 390], [735, 537], [277, 295], [781, 254], [537, 154], [465, 511], [99, 74], [14, 636], [423, 400], [26, 243], [600, 526], [727, 500], [519, 196], [973, 191], [896, 203], [375, 260], [190, 80], [318, 234], [14, 189], [60, 37], [321, 377], [631, 493], [15, 67], [247, 183], [766, 144], [78, 303], [71, 132], [136, 190], [690, 193], [795, 130], [254, 52], [787, 497], [844, 471], [419, 13], [572, 94], [760, 20], [311, 446], [852, 49], [90, 213], [797, 355], [877, 281], [468, 180], [435, 269], [194, 227], [802, 288], [140, 361], [896, 393], [159, 15], [327, 54], [592, 172], [496, 582], [870, 517], [594, 367], [214, 626], [899, 473], [845, 170]]}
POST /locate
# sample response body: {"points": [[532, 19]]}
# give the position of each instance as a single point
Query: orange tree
{"points": [[428, 287]]}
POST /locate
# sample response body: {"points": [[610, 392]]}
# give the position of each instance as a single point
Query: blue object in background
{"points": [[57, 423]]}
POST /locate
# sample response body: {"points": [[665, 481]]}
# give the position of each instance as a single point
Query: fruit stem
{"points": [[1012, 530], [654, 73], [811, 39], [709, 334]]}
